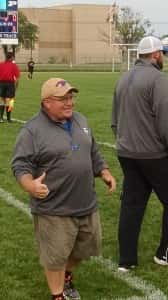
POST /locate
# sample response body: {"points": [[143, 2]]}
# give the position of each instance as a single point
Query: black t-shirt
{"points": [[31, 64]]}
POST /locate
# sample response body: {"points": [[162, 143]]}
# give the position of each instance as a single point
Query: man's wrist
{"points": [[104, 172]]}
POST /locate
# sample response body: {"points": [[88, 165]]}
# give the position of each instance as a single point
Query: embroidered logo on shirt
{"points": [[86, 130], [75, 147]]}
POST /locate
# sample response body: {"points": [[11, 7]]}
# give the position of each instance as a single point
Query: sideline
{"points": [[149, 291]]}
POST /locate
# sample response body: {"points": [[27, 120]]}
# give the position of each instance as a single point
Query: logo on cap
{"points": [[61, 83]]}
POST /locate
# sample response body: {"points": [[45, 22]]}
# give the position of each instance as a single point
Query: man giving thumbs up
{"points": [[55, 160]]}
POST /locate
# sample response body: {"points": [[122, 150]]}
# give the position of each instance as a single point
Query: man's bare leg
{"points": [[55, 281], [8, 111]]}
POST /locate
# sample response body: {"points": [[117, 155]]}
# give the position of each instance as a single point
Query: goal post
{"points": [[128, 59], [132, 57]]}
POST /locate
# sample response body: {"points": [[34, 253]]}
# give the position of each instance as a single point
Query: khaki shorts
{"points": [[62, 238]]}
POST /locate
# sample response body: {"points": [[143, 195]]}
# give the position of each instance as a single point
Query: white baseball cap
{"points": [[150, 44]]}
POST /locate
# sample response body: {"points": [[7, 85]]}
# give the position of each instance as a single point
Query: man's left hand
{"points": [[108, 179]]}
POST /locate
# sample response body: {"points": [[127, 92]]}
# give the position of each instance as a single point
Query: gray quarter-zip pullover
{"points": [[70, 158], [140, 112]]}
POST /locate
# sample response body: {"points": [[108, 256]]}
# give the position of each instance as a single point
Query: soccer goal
{"points": [[132, 57], [126, 54]]}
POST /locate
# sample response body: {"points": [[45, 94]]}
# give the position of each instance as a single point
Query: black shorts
{"points": [[141, 177], [7, 89]]}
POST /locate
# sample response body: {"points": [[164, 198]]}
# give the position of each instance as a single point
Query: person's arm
{"points": [[16, 83], [24, 165], [160, 107], [100, 167], [35, 187], [17, 76], [114, 118], [108, 179]]}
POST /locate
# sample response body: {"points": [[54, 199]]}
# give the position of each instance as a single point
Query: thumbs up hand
{"points": [[35, 187], [40, 189]]}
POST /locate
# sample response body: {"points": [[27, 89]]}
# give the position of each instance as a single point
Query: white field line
{"points": [[18, 121], [107, 145], [8, 198], [149, 291]]}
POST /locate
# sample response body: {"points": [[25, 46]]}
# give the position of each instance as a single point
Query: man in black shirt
{"points": [[30, 66]]}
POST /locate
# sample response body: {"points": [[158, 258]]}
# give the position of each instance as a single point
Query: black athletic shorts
{"points": [[7, 89]]}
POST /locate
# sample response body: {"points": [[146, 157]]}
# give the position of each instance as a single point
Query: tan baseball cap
{"points": [[57, 87]]}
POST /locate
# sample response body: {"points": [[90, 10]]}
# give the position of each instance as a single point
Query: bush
{"points": [[52, 60]]}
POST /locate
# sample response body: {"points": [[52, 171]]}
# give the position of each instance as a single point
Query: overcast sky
{"points": [[154, 10]]}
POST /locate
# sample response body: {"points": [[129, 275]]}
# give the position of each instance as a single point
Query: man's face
{"points": [[60, 108]]}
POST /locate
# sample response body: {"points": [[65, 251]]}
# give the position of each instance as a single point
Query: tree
{"points": [[128, 26], [131, 26], [27, 32]]}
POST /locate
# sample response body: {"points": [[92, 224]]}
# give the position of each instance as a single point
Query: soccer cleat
{"points": [[126, 268], [66, 297], [162, 261], [71, 292]]}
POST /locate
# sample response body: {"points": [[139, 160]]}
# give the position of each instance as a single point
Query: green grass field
{"points": [[21, 277]]}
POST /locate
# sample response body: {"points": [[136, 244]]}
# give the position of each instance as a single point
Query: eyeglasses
{"points": [[64, 99]]}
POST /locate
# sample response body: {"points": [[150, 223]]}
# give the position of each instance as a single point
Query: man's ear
{"points": [[46, 103], [156, 55]]}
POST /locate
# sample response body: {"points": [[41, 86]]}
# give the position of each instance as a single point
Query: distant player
{"points": [[30, 66]]}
